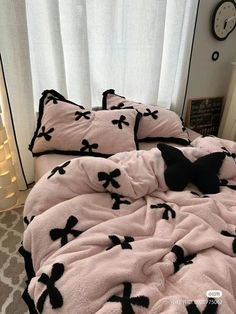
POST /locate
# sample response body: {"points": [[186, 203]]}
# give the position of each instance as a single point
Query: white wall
{"points": [[208, 78]]}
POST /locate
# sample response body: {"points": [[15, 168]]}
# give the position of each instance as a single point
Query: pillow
{"points": [[64, 127], [157, 124], [180, 170]]}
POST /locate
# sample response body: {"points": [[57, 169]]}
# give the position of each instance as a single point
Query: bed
{"points": [[131, 212]]}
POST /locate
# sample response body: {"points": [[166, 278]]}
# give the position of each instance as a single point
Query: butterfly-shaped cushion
{"points": [[180, 170]]}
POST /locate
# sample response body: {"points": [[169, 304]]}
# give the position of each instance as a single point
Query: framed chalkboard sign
{"points": [[204, 114]]}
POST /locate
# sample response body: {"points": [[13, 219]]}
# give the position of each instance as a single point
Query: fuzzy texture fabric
{"points": [[66, 128], [156, 123], [108, 236]]}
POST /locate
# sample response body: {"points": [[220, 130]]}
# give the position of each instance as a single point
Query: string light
{"points": [[8, 184]]}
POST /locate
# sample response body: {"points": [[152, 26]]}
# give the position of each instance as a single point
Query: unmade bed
{"points": [[130, 213]]}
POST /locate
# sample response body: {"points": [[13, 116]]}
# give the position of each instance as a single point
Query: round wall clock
{"points": [[224, 19]]}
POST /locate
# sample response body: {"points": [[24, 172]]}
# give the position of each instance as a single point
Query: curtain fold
{"points": [[140, 48], [4, 107], [14, 50], [82, 47], [227, 128]]}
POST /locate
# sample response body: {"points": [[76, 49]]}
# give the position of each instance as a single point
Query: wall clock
{"points": [[224, 19]]}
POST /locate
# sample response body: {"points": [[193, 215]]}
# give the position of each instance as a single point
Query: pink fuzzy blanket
{"points": [[107, 236]]}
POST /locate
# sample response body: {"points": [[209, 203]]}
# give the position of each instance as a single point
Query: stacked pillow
{"points": [[157, 124], [64, 127], [67, 128]]}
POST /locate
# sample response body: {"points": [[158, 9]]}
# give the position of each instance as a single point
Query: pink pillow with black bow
{"points": [[67, 128], [157, 124]]}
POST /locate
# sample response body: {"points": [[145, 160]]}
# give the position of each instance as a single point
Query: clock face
{"points": [[224, 19]]}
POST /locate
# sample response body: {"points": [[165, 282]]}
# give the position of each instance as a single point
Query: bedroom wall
{"points": [[208, 78]]}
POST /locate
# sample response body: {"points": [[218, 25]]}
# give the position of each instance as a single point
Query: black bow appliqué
{"points": [[180, 170], [54, 294], [167, 210], [153, 114], [228, 153], [63, 233], [227, 234], [120, 106], [109, 178], [46, 134], [211, 307], [79, 115], [127, 301], [53, 98], [27, 221], [88, 147], [120, 122], [59, 169], [180, 258], [118, 201], [225, 182], [125, 244]]}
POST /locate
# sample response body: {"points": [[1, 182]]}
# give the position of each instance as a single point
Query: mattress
{"points": [[45, 163]]}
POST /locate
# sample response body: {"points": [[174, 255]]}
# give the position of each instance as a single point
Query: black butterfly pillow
{"points": [[157, 124], [67, 128], [180, 170]]}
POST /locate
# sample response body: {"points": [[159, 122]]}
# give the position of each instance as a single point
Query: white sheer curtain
{"points": [[228, 122], [141, 48], [136, 47]]}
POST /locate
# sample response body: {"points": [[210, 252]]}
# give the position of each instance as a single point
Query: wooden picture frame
{"points": [[204, 115]]}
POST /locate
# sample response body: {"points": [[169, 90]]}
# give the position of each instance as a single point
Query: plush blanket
{"points": [[107, 236]]}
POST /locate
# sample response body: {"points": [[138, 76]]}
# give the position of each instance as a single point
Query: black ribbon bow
{"points": [[210, 308], [153, 114], [46, 134], [109, 178], [53, 98], [180, 258], [127, 301], [59, 169], [54, 294], [180, 170], [167, 210], [120, 106], [88, 147], [227, 234], [120, 122], [118, 201], [27, 221], [79, 115], [63, 233], [125, 244]]}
